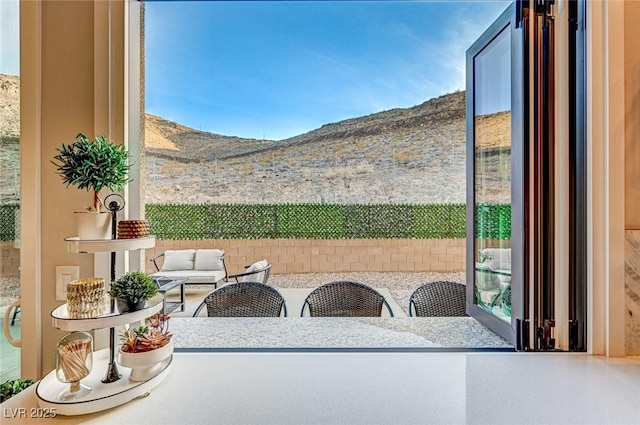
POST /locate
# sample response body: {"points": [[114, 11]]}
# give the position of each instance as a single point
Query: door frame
{"points": [[517, 329]]}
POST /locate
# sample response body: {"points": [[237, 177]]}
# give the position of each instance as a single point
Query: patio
{"points": [[395, 286], [294, 332]]}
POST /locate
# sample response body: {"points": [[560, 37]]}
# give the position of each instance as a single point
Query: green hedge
{"points": [[493, 221], [8, 221], [324, 221], [310, 221]]}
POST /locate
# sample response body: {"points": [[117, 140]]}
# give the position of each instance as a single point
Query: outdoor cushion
{"points": [[197, 266], [178, 260], [497, 258], [209, 259], [194, 276], [258, 277], [486, 280]]}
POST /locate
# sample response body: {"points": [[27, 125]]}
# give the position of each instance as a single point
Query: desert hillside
{"points": [[412, 155], [9, 137], [9, 106], [403, 155]]}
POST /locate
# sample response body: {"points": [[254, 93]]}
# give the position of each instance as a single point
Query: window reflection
{"points": [[492, 127]]}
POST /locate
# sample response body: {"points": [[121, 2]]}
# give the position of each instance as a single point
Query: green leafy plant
{"points": [[93, 165], [133, 286], [146, 338], [12, 387]]}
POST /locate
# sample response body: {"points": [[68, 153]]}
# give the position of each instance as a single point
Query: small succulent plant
{"points": [[133, 286], [155, 334]]}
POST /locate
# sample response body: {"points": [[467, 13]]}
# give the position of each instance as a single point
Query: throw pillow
{"points": [[209, 259], [178, 260], [258, 277]]}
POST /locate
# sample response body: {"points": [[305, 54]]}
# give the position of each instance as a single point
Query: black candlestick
{"points": [[112, 372]]}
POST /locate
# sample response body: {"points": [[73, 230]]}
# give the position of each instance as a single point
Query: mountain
{"points": [[9, 107], [403, 155], [172, 140], [9, 137], [167, 139]]}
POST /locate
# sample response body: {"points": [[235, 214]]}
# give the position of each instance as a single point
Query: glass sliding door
{"points": [[495, 177], [492, 163]]}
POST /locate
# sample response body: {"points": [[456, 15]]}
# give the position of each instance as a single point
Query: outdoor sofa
{"points": [[197, 266]]}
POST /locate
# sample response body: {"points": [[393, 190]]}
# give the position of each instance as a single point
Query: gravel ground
{"points": [[9, 290], [400, 284]]}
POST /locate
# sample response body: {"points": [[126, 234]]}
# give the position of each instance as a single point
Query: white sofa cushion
{"points": [[496, 258], [486, 280], [193, 276], [258, 277], [209, 259], [178, 260]]}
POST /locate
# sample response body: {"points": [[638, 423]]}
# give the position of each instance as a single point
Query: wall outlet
{"points": [[64, 275]]}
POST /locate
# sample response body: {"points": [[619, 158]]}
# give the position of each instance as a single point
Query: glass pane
{"points": [[9, 184], [492, 130]]}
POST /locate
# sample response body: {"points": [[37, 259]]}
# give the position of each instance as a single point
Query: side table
{"points": [[164, 285]]}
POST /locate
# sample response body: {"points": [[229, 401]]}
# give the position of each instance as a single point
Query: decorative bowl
{"points": [[147, 364]]}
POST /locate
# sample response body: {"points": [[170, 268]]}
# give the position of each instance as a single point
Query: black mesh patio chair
{"points": [[345, 299], [244, 299], [439, 299]]}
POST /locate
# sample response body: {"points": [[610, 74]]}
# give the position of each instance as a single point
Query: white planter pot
{"points": [[93, 225], [145, 366]]}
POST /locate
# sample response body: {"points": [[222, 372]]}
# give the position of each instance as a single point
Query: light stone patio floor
{"points": [[399, 332]]}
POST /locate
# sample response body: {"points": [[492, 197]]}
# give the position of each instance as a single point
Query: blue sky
{"points": [[277, 69], [9, 37]]}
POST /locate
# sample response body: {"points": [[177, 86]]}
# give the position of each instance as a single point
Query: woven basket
{"points": [[132, 229]]}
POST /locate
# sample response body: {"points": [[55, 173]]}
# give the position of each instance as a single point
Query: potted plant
{"points": [[132, 290], [146, 347], [12, 387], [93, 165]]}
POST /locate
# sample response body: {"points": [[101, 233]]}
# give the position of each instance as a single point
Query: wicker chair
{"points": [[439, 299], [244, 299], [345, 299]]}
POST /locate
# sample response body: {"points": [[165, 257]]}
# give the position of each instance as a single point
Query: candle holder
{"points": [[74, 359], [86, 298]]}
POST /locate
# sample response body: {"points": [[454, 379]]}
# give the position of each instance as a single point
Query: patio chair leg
{"points": [[15, 314]]}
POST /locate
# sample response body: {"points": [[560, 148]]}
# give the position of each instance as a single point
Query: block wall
{"points": [[347, 255], [9, 259]]}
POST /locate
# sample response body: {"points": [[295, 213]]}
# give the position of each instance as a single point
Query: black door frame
{"points": [[533, 180], [515, 19], [577, 178]]}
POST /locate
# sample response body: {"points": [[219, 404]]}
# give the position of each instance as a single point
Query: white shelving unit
{"points": [[62, 321], [115, 388], [74, 244]]}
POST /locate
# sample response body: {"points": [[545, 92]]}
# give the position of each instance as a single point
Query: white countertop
{"points": [[374, 388]]}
